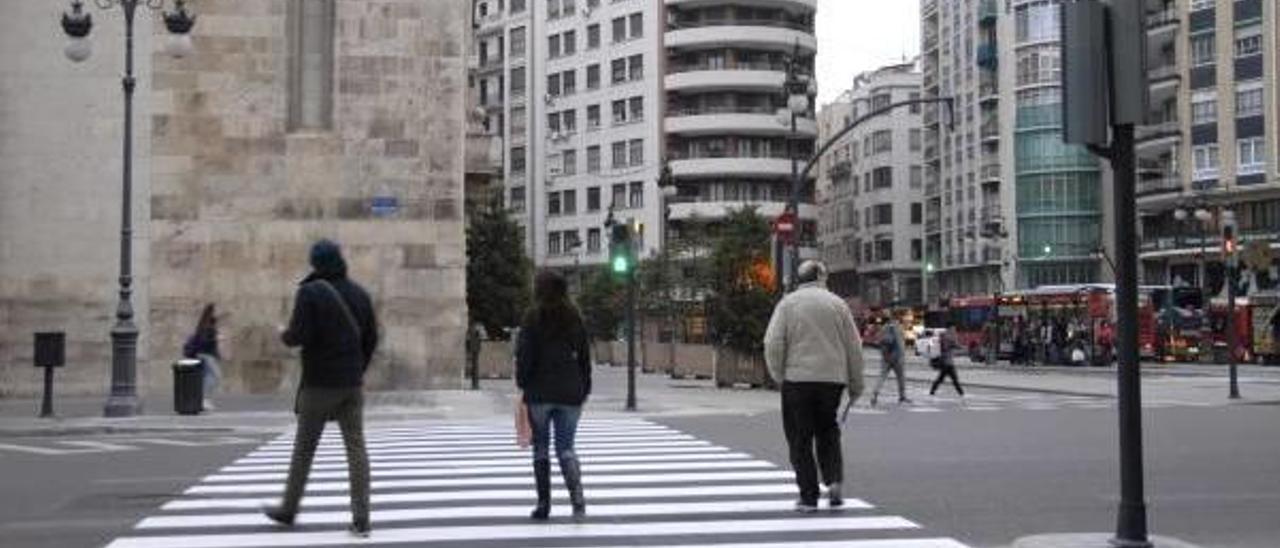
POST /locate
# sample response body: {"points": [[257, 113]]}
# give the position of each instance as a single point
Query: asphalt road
{"points": [[987, 478]]}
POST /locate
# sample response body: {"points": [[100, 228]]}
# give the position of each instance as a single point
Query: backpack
{"points": [[889, 347]]}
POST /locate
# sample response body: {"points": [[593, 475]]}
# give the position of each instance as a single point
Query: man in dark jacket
{"points": [[333, 321]]}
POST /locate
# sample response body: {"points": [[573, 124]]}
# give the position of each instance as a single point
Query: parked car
{"points": [[924, 339]]}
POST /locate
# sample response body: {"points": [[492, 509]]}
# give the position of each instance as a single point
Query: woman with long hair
{"points": [[203, 345], [553, 369]]}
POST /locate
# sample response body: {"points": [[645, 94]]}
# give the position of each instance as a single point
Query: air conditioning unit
{"points": [[548, 99], [555, 136]]}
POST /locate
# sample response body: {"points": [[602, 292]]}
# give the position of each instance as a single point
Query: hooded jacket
{"points": [[333, 355]]}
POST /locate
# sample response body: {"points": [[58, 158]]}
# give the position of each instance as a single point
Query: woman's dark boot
{"points": [[542, 481], [573, 483]]}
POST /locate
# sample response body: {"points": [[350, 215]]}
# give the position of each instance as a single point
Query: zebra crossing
{"points": [[468, 485], [979, 401]]}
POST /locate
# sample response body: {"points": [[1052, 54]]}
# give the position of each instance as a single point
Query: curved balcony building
{"points": [[727, 146]]}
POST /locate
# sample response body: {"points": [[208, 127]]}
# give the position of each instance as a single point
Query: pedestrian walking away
{"points": [[333, 321], [945, 363], [892, 354], [553, 372], [813, 350], [202, 345]]}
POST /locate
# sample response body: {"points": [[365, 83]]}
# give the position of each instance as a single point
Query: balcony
{"points": [[745, 168], [930, 41], [1167, 184], [712, 210], [991, 172], [735, 120], [932, 225], [1158, 128], [1165, 71], [763, 34], [990, 128], [988, 92], [740, 78], [1162, 21], [809, 5]]}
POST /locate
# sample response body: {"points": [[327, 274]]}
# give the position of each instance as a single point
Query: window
{"points": [[637, 25], [619, 196], [1248, 99], [882, 141], [568, 8], [569, 79], [593, 193], [917, 213], [553, 9], [618, 68], [517, 6], [570, 41], [637, 108], [593, 117], [882, 177], [311, 30], [1205, 162], [518, 84], [517, 42], [619, 154], [553, 243], [884, 250], [553, 122], [1251, 156], [516, 202], [553, 85], [593, 36], [913, 109], [1201, 4], [553, 203], [1249, 41], [593, 76], [884, 214], [519, 119], [619, 29], [917, 250], [917, 176], [593, 234], [569, 120], [619, 111], [1202, 50], [1204, 108], [553, 46], [637, 152], [916, 140], [571, 241], [635, 67], [636, 200], [569, 166], [570, 204], [593, 159], [517, 160], [1037, 22]]}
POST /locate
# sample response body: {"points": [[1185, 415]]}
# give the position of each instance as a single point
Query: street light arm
{"points": [[813, 160]]}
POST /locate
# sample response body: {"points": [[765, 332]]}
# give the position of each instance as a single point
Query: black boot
{"points": [[573, 483], [542, 481]]}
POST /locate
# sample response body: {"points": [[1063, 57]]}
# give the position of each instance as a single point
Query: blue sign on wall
{"points": [[384, 206]]}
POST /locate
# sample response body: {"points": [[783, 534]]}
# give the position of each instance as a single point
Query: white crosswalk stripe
{"points": [[459, 484]]}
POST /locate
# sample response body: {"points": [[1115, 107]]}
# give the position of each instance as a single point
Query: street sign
{"points": [[785, 225]]}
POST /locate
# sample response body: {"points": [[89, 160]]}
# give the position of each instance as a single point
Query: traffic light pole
{"points": [[1232, 273], [631, 340]]}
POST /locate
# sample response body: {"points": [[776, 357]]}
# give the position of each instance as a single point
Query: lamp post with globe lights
{"points": [[798, 89], [77, 25]]}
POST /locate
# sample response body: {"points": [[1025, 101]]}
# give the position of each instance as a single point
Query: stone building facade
{"points": [[293, 120]]}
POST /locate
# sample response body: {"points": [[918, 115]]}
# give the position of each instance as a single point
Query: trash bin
{"points": [[188, 387]]}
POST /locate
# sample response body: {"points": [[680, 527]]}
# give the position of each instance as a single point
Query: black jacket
{"points": [[553, 367], [332, 355]]}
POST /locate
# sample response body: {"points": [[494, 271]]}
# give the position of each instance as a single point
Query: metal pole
{"points": [[1231, 326], [631, 340], [46, 405], [123, 401], [794, 207], [1131, 519]]}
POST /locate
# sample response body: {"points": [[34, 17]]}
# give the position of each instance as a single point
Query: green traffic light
{"points": [[621, 265]]}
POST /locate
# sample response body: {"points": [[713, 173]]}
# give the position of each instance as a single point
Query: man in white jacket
{"points": [[814, 352]]}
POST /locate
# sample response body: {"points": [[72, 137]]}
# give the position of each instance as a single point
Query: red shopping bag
{"points": [[524, 432]]}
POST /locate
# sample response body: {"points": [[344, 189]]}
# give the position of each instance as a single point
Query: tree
{"points": [[603, 303], [499, 274], [742, 282]]}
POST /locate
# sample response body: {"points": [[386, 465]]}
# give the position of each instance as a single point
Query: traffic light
{"points": [[620, 254], [1229, 246]]}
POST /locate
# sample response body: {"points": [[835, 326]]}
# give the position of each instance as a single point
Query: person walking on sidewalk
{"points": [[813, 350], [202, 345], [553, 370], [334, 323], [946, 362], [892, 356]]}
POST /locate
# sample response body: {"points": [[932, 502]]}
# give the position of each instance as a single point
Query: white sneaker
{"points": [[208, 405], [806, 508]]}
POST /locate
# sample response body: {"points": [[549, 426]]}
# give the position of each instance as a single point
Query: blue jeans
{"points": [[565, 419]]}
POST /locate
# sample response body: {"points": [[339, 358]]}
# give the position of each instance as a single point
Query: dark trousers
{"points": [[809, 422], [315, 407], [945, 371]]}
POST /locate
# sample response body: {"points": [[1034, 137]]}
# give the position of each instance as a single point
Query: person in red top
{"points": [[1106, 342]]}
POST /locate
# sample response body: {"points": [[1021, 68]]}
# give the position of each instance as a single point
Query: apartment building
{"points": [[872, 181], [573, 88], [1211, 150], [727, 142]]}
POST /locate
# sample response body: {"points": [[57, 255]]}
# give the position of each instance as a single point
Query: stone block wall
{"points": [[238, 199]]}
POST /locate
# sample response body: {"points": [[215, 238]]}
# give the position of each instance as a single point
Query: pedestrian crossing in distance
{"points": [[467, 485], [993, 401]]}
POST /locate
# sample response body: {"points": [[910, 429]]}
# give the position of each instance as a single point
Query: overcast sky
{"points": [[859, 35]]}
